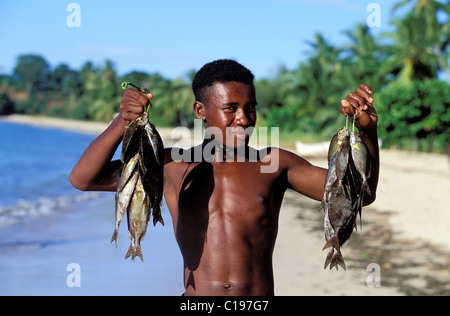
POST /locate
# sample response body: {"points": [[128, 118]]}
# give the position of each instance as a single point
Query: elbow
{"points": [[76, 183]]}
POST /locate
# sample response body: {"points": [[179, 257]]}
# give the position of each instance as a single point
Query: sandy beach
{"points": [[404, 241]]}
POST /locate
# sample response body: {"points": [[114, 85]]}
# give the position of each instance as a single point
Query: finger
{"points": [[366, 87], [138, 98], [346, 108], [366, 95], [147, 93], [356, 100], [131, 108], [135, 94]]}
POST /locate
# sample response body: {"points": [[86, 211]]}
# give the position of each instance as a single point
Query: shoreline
{"points": [[58, 123], [85, 127]]}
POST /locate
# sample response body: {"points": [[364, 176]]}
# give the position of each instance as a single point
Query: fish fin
{"points": [[337, 260], [130, 252], [115, 237], [340, 261], [333, 263], [333, 242], [138, 252], [157, 216], [328, 259]]}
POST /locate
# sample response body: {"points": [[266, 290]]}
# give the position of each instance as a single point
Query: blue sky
{"points": [[175, 36]]}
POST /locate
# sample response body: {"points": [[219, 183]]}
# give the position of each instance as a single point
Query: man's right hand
{"points": [[133, 103]]}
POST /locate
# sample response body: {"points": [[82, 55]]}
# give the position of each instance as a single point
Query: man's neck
{"points": [[214, 151]]}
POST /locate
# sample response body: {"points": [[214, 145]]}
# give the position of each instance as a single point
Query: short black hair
{"points": [[222, 70]]}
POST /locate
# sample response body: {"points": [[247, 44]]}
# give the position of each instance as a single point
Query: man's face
{"points": [[231, 108]]}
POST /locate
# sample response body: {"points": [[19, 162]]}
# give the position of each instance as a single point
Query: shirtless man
{"points": [[225, 210]]}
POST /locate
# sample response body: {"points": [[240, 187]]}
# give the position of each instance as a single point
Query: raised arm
{"points": [[310, 180], [95, 171]]}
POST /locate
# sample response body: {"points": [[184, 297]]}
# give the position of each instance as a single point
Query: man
{"points": [[224, 209]]}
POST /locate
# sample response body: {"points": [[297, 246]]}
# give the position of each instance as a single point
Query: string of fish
{"points": [[140, 184], [349, 165]]}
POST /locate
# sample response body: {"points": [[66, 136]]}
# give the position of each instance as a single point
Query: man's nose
{"points": [[242, 118]]}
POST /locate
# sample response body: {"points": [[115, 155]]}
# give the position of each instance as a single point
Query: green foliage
{"points": [[405, 68], [31, 72], [6, 105], [418, 110]]}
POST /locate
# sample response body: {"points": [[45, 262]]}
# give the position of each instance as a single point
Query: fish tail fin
{"points": [[157, 216], [339, 260], [328, 259], [131, 252], [138, 253], [333, 242], [333, 264], [115, 237]]}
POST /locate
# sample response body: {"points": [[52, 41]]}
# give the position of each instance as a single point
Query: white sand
{"points": [[48, 122], [412, 194]]}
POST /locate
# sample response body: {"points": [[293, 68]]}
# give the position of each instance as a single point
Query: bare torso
{"points": [[225, 219]]}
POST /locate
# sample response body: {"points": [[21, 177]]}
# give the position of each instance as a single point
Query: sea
{"points": [[55, 240]]}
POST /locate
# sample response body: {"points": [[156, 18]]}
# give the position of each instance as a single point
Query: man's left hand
{"points": [[360, 103]]}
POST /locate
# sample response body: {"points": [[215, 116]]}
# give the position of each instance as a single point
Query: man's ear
{"points": [[199, 110]]}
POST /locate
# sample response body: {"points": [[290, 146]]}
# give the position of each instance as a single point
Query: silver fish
{"points": [[361, 158], [132, 136], [336, 142], [138, 218], [127, 172], [123, 199], [140, 186], [339, 216], [344, 189]]}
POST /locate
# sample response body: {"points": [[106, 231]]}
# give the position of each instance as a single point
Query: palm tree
{"points": [[436, 30], [320, 87], [412, 51], [364, 59]]}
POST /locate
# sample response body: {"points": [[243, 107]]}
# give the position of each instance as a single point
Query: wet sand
{"points": [[405, 238]]}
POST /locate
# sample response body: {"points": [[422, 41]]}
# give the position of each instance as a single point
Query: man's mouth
{"points": [[242, 130]]}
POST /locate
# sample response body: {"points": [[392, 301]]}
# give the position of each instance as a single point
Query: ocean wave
{"points": [[44, 206]]}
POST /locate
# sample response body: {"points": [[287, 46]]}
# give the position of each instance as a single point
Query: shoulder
{"points": [[277, 160], [285, 157]]}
